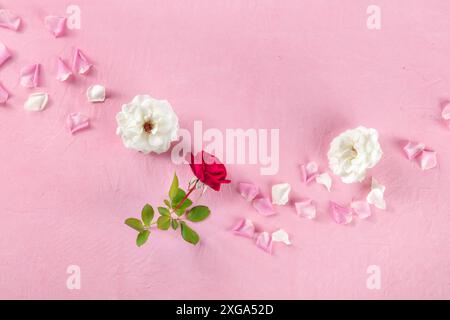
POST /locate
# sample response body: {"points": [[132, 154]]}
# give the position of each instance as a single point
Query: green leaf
{"points": [[182, 209], [147, 214], [178, 197], [142, 237], [164, 211], [134, 223], [174, 224], [188, 234], [198, 213], [167, 203], [163, 222], [174, 187]]}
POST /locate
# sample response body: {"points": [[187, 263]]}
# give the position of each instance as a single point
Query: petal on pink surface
{"points": [[77, 121], [244, 228], [263, 206], [446, 111], [63, 71], [4, 53], [428, 159], [309, 171], [306, 209], [4, 95], [56, 25], [248, 191], [325, 180], [264, 241], [413, 149], [29, 76], [361, 209], [281, 236], [340, 214], [80, 63], [9, 20]]}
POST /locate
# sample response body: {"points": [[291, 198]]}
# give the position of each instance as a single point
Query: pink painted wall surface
{"points": [[310, 68]]}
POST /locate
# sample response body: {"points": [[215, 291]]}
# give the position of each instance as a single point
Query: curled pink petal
{"points": [[9, 20], [309, 171], [446, 111], [428, 159], [29, 76], [264, 241], [4, 95], [263, 206], [361, 209], [248, 190], [413, 149], [77, 121], [4, 53], [56, 25], [244, 228], [341, 215], [80, 63], [63, 72], [306, 209]]}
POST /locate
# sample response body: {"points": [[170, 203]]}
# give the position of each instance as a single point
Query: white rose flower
{"points": [[353, 152], [147, 125]]}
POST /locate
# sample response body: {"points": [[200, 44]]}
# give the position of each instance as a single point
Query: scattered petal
{"points": [[248, 190], [263, 206], [413, 149], [63, 72], [361, 209], [29, 76], [56, 25], [77, 121], [281, 236], [264, 241], [244, 228], [341, 215], [96, 93], [280, 193], [325, 179], [428, 159], [4, 53], [306, 209], [9, 20], [446, 111], [36, 101], [309, 172], [4, 95], [80, 63], [376, 195]]}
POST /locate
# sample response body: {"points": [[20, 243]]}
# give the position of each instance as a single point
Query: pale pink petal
{"points": [[324, 179], [63, 72], [9, 20], [306, 209], [309, 171], [80, 63], [341, 215], [29, 76], [3, 95], [248, 190], [281, 236], [36, 101], [413, 149], [56, 25], [245, 228], [263, 206], [428, 159], [361, 209], [264, 241], [446, 111], [77, 121], [4, 53]]}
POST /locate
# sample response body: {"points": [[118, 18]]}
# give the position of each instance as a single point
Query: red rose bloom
{"points": [[209, 170]]}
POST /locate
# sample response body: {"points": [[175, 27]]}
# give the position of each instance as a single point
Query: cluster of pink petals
{"points": [[415, 150], [250, 193], [9, 20], [344, 214], [310, 172]]}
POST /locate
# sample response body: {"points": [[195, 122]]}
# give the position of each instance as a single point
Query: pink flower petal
{"points": [[361, 209], [80, 63], [263, 206], [4, 53], [446, 111], [29, 76], [244, 228], [63, 72], [309, 171], [77, 121], [428, 159], [9, 20], [306, 209], [264, 241], [413, 149], [3, 95], [248, 190], [341, 215], [56, 25]]}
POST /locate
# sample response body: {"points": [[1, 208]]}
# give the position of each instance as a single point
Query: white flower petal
{"points": [[281, 236], [324, 179], [280, 193], [36, 101], [306, 209], [376, 195], [96, 93]]}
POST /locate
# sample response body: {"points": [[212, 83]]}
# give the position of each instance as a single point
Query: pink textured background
{"points": [[310, 68]]}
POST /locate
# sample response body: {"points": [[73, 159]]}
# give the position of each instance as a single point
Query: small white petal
{"points": [[96, 93], [281, 236], [280, 193], [376, 195], [325, 179], [36, 101]]}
